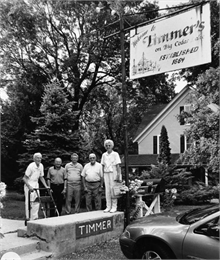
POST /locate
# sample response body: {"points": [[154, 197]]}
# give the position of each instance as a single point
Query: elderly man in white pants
{"points": [[33, 173], [112, 172]]}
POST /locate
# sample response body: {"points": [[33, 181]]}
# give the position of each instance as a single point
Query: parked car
{"points": [[189, 235]]}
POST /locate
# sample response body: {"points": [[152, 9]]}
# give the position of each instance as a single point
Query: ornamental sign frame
{"points": [[172, 43]]}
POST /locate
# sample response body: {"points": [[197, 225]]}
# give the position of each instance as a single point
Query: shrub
{"points": [[19, 184], [198, 194]]}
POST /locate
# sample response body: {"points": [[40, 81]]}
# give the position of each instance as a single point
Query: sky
{"points": [[164, 3]]}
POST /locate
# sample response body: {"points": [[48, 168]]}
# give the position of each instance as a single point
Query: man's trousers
{"points": [[73, 191], [58, 199], [93, 193]]}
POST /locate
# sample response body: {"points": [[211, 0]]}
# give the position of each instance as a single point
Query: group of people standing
{"points": [[67, 182]]}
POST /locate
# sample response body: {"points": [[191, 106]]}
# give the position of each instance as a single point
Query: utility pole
{"points": [[117, 8], [124, 97]]}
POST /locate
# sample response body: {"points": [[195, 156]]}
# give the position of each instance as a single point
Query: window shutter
{"points": [[182, 143], [182, 119], [159, 137], [155, 144]]}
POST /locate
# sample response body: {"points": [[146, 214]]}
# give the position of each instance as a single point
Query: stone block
{"points": [[70, 233]]}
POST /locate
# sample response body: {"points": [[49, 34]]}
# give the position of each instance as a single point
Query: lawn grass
{"points": [[14, 207]]}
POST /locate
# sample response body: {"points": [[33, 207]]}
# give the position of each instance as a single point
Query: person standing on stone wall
{"points": [[55, 180], [112, 173], [33, 173], [92, 177], [72, 183]]}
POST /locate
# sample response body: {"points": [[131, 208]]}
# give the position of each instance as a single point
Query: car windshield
{"points": [[197, 214]]}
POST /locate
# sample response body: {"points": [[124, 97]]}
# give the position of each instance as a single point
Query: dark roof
{"points": [[149, 115], [137, 160]]}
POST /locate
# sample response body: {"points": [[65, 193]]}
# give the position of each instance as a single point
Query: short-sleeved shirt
{"points": [[34, 172], [92, 173], [110, 160], [73, 172], [56, 176]]}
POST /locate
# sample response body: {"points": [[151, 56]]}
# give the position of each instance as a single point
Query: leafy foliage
{"points": [[198, 194], [188, 191], [24, 100], [53, 136], [46, 41], [204, 123]]}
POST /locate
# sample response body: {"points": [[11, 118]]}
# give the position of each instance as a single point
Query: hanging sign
{"points": [[173, 43]]}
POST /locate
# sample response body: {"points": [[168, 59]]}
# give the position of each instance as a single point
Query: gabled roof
{"points": [[137, 160], [149, 115], [154, 117]]}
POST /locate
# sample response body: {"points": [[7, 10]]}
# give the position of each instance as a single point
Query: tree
{"points": [[204, 123], [53, 136], [44, 41], [24, 100], [164, 155]]}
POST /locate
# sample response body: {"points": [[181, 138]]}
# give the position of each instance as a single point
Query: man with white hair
{"points": [[92, 177], [33, 173], [112, 172]]}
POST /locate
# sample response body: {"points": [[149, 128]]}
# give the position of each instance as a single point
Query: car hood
{"points": [[163, 225], [160, 219]]}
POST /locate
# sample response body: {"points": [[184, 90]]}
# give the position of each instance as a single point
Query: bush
{"points": [[19, 184], [198, 194]]}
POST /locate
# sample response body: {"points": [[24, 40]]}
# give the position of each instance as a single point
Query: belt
{"points": [[57, 184], [92, 181]]}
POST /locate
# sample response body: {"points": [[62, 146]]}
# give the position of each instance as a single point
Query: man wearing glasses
{"points": [[92, 177]]}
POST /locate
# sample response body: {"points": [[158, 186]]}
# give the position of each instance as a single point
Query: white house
{"points": [[148, 134]]}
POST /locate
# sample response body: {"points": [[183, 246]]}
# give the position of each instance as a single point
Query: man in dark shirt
{"points": [[55, 180]]}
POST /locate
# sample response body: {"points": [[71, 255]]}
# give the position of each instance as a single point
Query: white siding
{"points": [[174, 130]]}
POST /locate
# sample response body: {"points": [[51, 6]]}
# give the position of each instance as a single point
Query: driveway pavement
{"points": [[10, 225]]}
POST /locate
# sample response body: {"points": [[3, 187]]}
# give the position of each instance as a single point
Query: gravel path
{"points": [[106, 250]]}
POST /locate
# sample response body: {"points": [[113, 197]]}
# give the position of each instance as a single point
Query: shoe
{"points": [[113, 210], [106, 210], [25, 222]]}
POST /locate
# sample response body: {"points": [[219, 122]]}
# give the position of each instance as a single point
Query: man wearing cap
{"points": [[92, 176]]}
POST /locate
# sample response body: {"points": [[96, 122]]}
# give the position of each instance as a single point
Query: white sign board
{"points": [[173, 43]]}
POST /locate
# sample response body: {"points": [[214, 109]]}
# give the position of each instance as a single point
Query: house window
{"points": [[185, 108], [156, 144], [185, 143], [189, 142]]}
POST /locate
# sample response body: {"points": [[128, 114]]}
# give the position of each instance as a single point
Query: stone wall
{"points": [[70, 233]]}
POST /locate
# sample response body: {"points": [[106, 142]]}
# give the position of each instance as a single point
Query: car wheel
{"points": [[155, 252]]}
